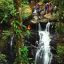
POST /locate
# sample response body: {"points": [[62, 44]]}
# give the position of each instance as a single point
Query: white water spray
{"points": [[43, 54]]}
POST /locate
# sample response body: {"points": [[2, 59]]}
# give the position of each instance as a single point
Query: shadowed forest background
{"points": [[19, 37]]}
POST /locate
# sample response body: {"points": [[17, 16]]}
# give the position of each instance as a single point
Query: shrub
{"points": [[60, 54], [3, 59]]}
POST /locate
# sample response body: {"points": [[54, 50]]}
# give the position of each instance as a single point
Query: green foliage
{"points": [[25, 2], [23, 55], [28, 33], [5, 35], [6, 10], [3, 59], [45, 1], [15, 25], [25, 5], [26, 11], [60, 5], [60, 54], [18, 27], [60, 28]]}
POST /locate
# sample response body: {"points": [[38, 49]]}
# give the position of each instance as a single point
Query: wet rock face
{"points": [[43, 25], [34, 26], [54, 60], [53, 45], [32, 43], [52, 28]]}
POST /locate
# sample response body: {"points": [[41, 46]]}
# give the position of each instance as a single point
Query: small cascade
{"points": [[11, 54], [11, 42], [48, 27], [43, 54], [39, 27]]}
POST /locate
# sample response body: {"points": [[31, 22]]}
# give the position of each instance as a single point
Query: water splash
{"points": [[43, 54]]}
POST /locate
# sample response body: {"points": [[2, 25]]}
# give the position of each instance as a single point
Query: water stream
{"points": [[43, 54], [11, 54]]}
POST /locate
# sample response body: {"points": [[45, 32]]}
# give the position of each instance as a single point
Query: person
{"points": [[37, 9], [50, 8], [47, 8]]}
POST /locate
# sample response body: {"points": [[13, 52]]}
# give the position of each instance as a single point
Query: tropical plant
{"points": [[60, 54], [60, 6], [25, 2], [27, 11], [60, 28], [23, 55], [7, 10], [45, 1], [3, 58]]}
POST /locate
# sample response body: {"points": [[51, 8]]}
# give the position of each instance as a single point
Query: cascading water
{"points": [[43, 54], [11, 54]]}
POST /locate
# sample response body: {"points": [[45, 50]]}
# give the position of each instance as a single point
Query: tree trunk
{"points": [[17, 4]]}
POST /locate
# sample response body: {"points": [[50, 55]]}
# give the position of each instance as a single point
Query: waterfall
{"points": [[48, 26], [11, 41], [39, 27], [43, 54], [11, 54]]}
